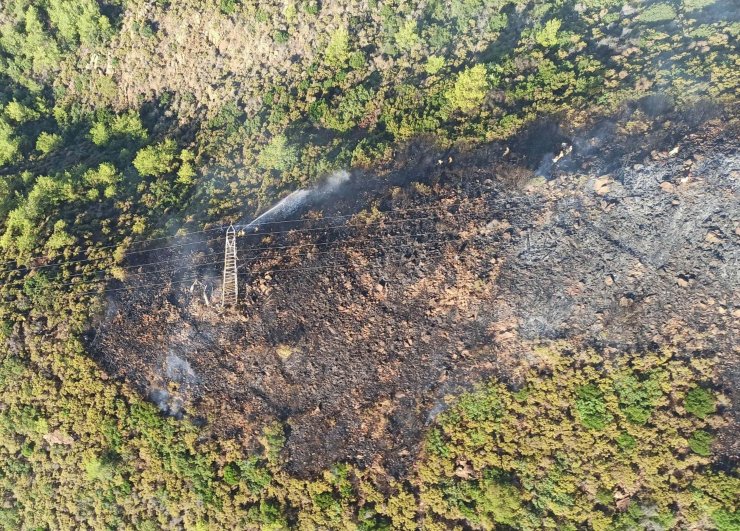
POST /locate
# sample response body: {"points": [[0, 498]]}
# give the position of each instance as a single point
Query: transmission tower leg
{"points": [[230, 285]]}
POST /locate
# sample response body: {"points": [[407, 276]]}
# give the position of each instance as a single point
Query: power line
{"points": [[99, 280], [349, 242], [382, 222], [128, 253], [58, 264], [125, 268], [194, 278], [218, 262], [288, 231]]}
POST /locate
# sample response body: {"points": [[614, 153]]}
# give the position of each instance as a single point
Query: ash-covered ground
{"points": [[354, 329]]}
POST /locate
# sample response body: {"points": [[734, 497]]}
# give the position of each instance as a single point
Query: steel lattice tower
{"points": [[230, 285]]}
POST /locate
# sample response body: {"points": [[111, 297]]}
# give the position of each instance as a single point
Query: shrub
{"points": [[625, 441], [726, 520], [406, 37], [227, 6], [357, 60], [231, 474]]}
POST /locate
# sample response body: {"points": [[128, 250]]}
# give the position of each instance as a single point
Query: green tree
{"points": [[156, 160], [48, 142], [20, 113], [9, 143], [79, 22], [406, 36], [434, 64], [548, 35], [100, 133], [470, 89], [654, 13], [337, 50], [278, 154], [59, 238]]}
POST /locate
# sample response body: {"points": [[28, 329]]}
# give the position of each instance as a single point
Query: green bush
{"points": [[626, 441], [726, 520], [227, 6], [337, 50], [434, 64], [231, 474]]}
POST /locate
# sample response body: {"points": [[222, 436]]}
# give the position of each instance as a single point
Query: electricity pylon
{"points": [[230, 285]]}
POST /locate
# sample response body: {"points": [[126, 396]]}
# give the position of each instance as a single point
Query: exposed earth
{"points": [[358, 321]]}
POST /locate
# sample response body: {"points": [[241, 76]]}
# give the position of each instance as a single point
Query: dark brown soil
{"points": [[355, 339]]}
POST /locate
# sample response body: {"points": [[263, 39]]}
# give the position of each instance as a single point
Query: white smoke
{"points": [[179, 370]]}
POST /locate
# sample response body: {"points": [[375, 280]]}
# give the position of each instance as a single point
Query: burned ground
{"points": [[358, 324]]}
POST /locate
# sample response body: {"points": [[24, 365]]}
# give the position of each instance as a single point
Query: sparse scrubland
{"points": [[126, 120]]}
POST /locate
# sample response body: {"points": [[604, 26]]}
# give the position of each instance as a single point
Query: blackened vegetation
{"points": [[353, 331]]}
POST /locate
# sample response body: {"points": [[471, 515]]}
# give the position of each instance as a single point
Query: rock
{"points": [[628, 10], [464, 471], [601, 185], [712, 237], [667, 186], [59, 437], [609, 280]]}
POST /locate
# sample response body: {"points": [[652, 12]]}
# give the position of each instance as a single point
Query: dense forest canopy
{"points": [[129, 119]]}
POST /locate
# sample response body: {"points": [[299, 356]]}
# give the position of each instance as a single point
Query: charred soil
{"points": [[357, 323]]}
